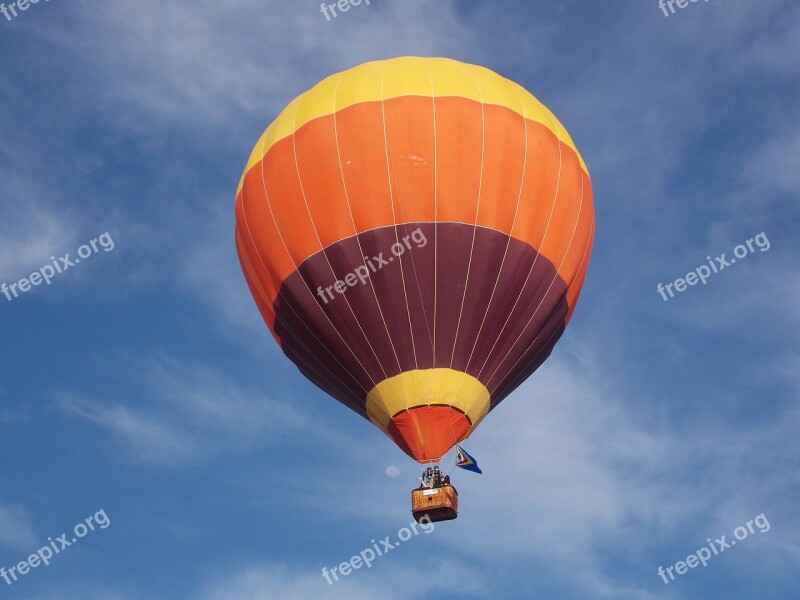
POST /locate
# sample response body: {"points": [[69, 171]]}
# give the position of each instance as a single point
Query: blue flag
{"points": [[465, 461]]}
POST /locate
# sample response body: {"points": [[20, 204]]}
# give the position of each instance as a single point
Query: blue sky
{"points": [[143, 382]]}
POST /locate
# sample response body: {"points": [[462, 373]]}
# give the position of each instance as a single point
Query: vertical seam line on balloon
{"points": [[510, 232], [475, 225], [474, 231], [392, 383], [511, 382], [435, 215], [312, 366], [282, 319], [392, 191], [352, 219], [555, 276], [535, 258], [324, 253], [440, 395], [448, 221], [300, 274]]}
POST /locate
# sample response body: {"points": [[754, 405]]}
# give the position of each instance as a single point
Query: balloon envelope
{"points": [[415, 233]]}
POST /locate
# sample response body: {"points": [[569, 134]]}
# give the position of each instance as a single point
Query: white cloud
{"points": [[16, 530], [578, 466], [776, 163], [209, 270], [272, 52], [389, 582], [192, 413], [31, 234], [579, 461], [576, 460], [155, 73], [13, 414], [68, 591]]}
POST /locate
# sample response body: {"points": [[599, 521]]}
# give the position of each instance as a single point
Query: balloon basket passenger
{"points": [[435, 498]]}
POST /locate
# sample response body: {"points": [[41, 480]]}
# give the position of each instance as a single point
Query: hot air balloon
{"points": [[415, 233]]}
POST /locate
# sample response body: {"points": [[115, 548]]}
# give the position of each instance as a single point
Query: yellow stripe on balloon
{"points": [[441, 387], [406, 76]]}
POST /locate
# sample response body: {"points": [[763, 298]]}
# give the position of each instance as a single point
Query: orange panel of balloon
{"points": [[415, 233]]}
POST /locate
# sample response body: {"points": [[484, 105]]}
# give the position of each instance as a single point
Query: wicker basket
{"points": [[438, 504]]}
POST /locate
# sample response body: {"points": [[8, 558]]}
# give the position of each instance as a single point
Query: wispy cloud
{"points": [[192, 413], [273, 51], [12, 414], [68, 591], [209, 270], [276, 580], [578, 464], [689, 129], [16, 530], [30, 234], [582, 463]]}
